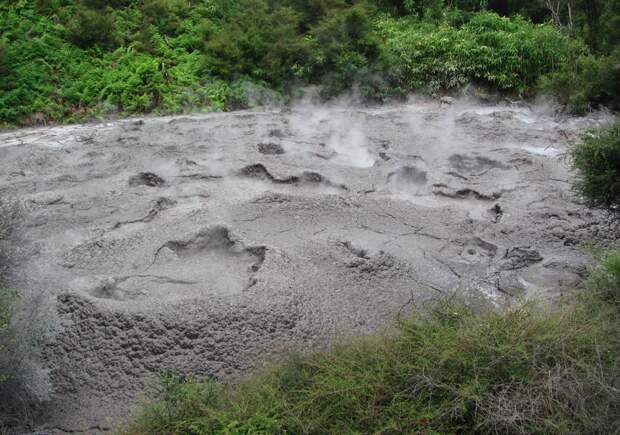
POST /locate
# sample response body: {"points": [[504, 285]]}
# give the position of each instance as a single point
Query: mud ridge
{"points": [[260, 171]]}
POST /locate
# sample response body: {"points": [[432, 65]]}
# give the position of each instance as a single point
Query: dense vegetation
{"points": [[597, 157], [65, 60], [527, 370]]}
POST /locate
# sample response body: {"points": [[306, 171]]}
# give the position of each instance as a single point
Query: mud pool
{"points": [[209, 243]]}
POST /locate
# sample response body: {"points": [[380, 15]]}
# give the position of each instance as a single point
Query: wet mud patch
{"points": [[148, 179], [408, 175], [270, 148], [100, 287], [356, 251], [476, 250], [474, 165], [520, 257], [496, 213]]}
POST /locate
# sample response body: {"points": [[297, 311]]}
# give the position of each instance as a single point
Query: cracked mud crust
{"points": [[208, 244]]}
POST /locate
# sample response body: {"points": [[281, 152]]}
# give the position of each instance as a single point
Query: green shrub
{"points": [[508, 54], [64, 58], [89, 27], [597, 159], [605, 279], [257, 42], [425, 8], [343, 51], [313, 11], [586, 82], [3, 60], [527, 370], [167, 15], [610, 23]]}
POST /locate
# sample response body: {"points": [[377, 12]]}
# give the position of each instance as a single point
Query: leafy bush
{"points": [[89, 27], [587, 82], [424, 8], [527, 370], [68, 60], [3, 60], [605, 279], [167, 15], [313, 11], [509, 54], [597, 158], [257, 42], [344, 50]]}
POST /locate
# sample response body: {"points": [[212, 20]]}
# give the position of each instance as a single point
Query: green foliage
{"points": [[87, 27], [527, 370], [609, 33], [587, 82], [597, 158], [344, 50], [313, 11], [533, 9], [605, 279], [166, 15], [66, 60], [7, 303], [3, 60], [257, 42], [509, 54]]}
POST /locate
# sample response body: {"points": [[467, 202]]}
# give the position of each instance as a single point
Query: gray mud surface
{"points": [[210, 243]]}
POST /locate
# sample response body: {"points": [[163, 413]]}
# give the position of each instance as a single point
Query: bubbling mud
{"points": [[207, 243]]}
